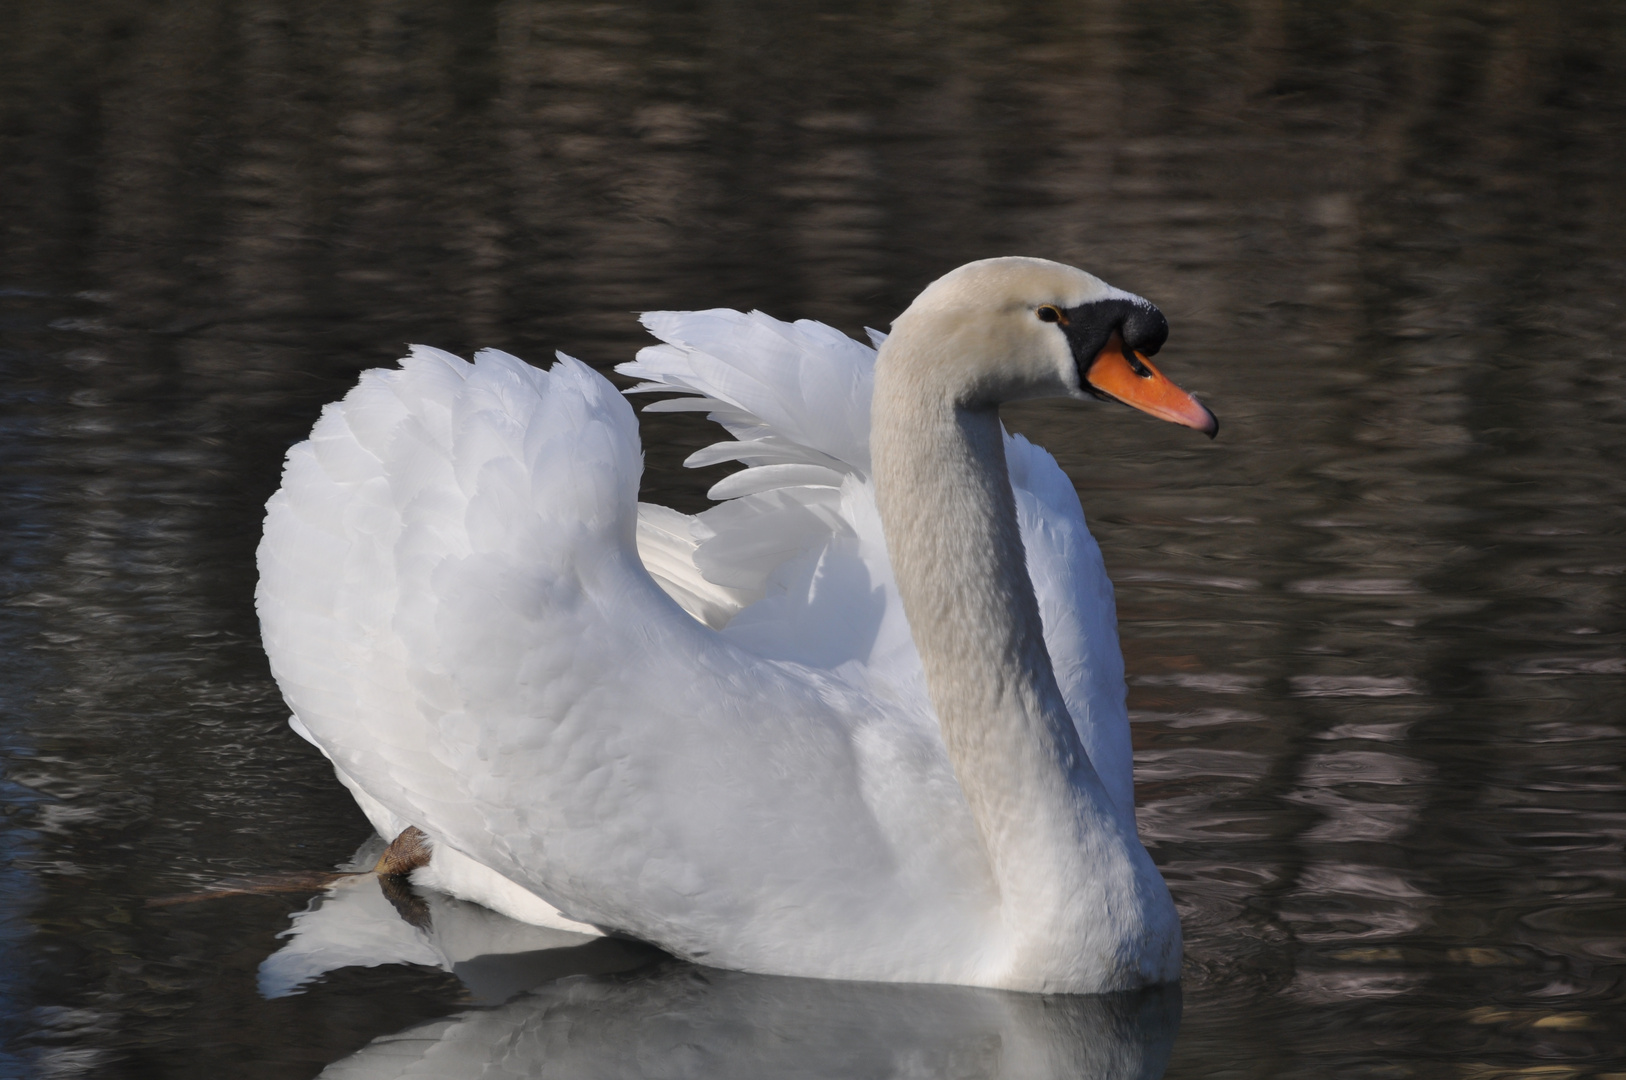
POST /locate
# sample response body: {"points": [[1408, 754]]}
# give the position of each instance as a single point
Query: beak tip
{"points": [[1211, 426]]}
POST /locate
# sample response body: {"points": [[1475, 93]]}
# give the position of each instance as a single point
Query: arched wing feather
{"points": [[454, 606]]}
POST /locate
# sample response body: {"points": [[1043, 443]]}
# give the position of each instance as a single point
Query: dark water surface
{"points": [[1376, 633]]}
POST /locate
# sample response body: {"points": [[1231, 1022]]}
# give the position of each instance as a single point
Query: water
{"points": [[1376, 633]]}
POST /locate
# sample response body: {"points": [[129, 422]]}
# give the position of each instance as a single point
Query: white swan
{"points": [[457, 600]]}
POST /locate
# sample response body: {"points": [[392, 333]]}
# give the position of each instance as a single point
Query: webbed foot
{"points": [[405, 854]]}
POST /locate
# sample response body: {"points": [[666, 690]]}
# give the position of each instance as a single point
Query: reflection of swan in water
{"points": [[682, 1021], [363, 920], [666, 1018], [904, 754]]}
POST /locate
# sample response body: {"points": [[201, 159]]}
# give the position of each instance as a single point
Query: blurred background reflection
{"points": [[1375, 635]]}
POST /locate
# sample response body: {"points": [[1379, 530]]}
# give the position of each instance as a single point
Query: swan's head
{"points": [[1015, 328]]}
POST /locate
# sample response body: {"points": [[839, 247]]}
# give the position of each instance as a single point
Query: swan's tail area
{"points": [[420, 476]]}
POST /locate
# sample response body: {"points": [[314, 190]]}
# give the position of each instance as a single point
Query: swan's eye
{"points": [[1050, 313]]}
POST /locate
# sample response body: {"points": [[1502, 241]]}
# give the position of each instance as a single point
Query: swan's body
{"points": [[912, 768]]}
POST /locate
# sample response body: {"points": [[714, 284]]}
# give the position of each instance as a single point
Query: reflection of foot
{"points": [[405, 854], [407, 903]]}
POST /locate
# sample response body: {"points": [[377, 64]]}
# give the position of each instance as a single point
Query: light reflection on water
{"points": [[1375, 633], [681, 1021]]}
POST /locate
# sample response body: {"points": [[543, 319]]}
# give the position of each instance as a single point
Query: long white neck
{"points": [[1075, 884]]}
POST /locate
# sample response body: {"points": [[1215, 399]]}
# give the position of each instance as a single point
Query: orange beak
{"points": [[1127, 376]]}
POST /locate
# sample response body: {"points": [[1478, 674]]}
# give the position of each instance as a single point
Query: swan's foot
{"points": [[405, 854]]}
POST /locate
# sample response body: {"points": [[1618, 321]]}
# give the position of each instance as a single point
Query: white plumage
{"points": [[714, 733]]}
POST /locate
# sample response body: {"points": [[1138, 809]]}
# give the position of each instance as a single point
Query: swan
{"points": [[862, 720]]}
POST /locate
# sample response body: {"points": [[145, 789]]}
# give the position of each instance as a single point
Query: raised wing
{"points": [[454, 607]]}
